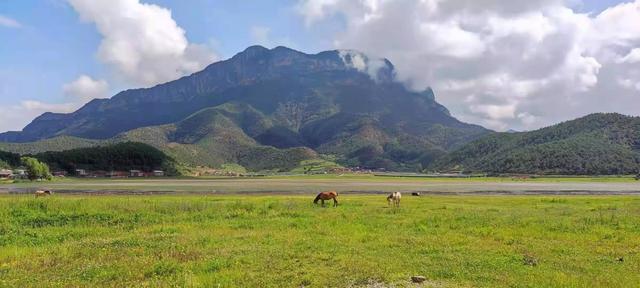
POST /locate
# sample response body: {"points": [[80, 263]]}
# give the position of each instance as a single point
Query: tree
{"points": [[36, 169]]}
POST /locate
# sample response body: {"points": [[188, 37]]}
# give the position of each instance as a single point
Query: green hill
{"points": [[123, 156], [59, 143], [595, 144]]}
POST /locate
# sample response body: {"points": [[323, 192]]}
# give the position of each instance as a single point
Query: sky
{"points": [[518, 64]]}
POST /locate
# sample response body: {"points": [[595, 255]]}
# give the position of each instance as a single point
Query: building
{"points": [[136, 173], [118, 174], [158, 173], [59, 173], [81, 173], [98, 174], [4, 173]]}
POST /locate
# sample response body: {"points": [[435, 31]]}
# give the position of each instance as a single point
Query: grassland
{"points": [[283, 241]]}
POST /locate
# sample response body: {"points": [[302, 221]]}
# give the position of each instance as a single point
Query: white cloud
{"points": [[84, 88], [517, 64], [15, 117], [260, 35], [632, 57], [80, 91], [629, 83], [32, 105], [316, 10], [9, 22], [496, 112], [142, 42], [362, 63]]}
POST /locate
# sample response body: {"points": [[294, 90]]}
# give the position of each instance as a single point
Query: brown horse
{"points": [[327, 196], [43, 193]]}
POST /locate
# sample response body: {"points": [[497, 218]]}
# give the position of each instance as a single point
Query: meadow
{"points": [[209, 240]]}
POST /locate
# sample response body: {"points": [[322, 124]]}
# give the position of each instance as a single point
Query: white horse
{"points": [[42, 193], [395, 199]]}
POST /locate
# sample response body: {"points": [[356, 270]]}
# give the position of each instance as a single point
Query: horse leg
{"points": [[322, 200], [335, 202]]}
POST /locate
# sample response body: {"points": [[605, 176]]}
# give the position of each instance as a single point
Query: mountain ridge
{"points": [[339, 102], [599, 143], [161, 99]]}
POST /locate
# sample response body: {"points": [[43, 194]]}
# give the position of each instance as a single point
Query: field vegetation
{"points": [[284, 241]]}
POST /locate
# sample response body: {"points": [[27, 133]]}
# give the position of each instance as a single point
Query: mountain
{"points": [[265, 108], [595, 144]]}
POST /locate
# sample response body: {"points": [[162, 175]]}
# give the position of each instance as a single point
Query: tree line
{"points": [[118, 157]]}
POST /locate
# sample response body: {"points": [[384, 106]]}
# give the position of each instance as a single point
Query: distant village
{"points": [[82, 173], [204, 172]]}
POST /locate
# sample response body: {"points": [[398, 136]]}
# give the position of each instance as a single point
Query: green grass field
{"points": [[284, 241]]}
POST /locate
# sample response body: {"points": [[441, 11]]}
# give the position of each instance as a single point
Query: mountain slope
{"points": [[59, 143], [594, 144], [340, 102], [256, 70]]}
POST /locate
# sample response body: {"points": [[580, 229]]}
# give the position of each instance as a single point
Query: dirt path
{"points": [[305, 186]]}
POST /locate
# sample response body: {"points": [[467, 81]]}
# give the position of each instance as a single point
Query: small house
{"points": [[59, 173], [158, 173], [81, 173], [98, 174], [118, 174], [4, 173], [136, 173]]}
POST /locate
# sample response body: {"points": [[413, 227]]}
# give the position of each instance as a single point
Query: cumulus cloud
{"points": [[9, 22], [632, 57], [78, 92], [142, 42], [14, 117], [518, 64], [85, 88], [362, 63], [32, 105]]}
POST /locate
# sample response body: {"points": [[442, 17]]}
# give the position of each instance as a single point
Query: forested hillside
{"points": [[118, 157], [595, 144], [9, 160]]}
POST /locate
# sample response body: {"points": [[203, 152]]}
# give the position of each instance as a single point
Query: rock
{"points": [[530, 260], [418, 279]]}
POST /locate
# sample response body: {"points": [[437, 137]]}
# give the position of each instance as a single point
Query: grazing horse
{"points": [[395, 198], [327, 196], [43, 193]]}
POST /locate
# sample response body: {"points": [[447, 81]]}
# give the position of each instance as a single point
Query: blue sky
{"points": [[48, 45]]}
